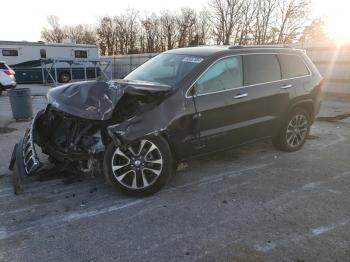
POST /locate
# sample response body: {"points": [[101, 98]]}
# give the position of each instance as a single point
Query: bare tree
{"points": [[133, 26], [315, 31], [225, 16], [292, 16], [186, 22], [107, 36], [151, 26], [265, 10], [127, 29], [249, 10], [55, 34], [169, 29], [224, 22], [203, 27], [81, 34]]}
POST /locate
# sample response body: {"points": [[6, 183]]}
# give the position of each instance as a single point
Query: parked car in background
{"points": [[7, 77], [180, 104]]}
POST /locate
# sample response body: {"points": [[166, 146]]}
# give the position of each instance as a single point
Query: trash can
{"points": [[21, 103]]}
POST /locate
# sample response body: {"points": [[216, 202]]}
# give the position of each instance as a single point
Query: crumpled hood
{"points": [[96, 100]]}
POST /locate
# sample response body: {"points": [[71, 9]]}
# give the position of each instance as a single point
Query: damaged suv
{"points": [[180, 104]]}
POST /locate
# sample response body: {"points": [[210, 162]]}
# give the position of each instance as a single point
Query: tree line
{"points": [[221, 22]]}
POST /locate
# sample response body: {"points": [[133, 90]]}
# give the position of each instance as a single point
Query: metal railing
{"points": [[50, 66]]}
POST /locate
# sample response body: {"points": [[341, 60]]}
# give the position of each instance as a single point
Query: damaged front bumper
{"points": [[24, 160]]}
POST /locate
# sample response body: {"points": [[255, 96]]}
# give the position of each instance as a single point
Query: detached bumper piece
{"points": [[24, 161]]}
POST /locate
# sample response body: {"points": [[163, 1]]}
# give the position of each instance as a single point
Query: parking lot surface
{"points": [[252, 203]]}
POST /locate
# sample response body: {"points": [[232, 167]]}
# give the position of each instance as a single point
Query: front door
{"points": [[221, 104]]}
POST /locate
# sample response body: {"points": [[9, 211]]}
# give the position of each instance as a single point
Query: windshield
{"points": [[168, 69]]}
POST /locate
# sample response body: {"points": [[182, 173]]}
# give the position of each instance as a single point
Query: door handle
{"points": [[197, 115], [240, 96], [286, 86]]}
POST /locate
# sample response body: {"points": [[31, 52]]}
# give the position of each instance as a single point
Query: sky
{"points": [[27, 17]]}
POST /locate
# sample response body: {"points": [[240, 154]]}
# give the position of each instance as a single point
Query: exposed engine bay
{"points": [[71, 142]]}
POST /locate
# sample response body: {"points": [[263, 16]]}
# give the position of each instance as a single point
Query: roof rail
{"points": [[259, 46]]}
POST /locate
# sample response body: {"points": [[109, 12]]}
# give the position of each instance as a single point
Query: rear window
{"points": [[80, 54], [3, 66], [10, 52], [292, 66], [260, 69]]}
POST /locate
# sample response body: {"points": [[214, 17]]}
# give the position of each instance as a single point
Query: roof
{"points": [[211, 50], [41, 43], [198, 50]]}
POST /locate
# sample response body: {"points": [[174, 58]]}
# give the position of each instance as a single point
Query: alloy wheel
{"points": [[297, 130], [137, 166]]}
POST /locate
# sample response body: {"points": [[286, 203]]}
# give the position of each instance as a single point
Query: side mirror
{"points": [[193, 90]]}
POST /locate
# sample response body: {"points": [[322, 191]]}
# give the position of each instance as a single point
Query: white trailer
{"points": [[26, 58]]}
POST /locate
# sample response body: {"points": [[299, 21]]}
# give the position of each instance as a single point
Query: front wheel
{"points": [[140, 169], [294, 131]]}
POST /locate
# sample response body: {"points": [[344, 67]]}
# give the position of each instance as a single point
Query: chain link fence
{"points": [[124, 64]]}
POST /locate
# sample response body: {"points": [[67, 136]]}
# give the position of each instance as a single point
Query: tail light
{"points": [[10, 72]]}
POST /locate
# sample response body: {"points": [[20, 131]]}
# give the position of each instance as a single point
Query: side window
{"points": [[260, 69], [80, 54], [42, 53], [292, 66], [10, 52], [223, 75]]}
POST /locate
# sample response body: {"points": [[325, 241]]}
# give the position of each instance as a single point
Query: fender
{"points": [[294, 104], [153, 122]]}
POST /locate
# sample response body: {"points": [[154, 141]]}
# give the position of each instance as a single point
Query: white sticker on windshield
{"points": [[192, 59]]}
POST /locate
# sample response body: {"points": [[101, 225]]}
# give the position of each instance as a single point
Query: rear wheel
{"points": [[64, 77], [140, 169], [294, 131]]}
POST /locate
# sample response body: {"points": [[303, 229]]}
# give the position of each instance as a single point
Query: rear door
{"points": [[269, 95], [294, 72]]}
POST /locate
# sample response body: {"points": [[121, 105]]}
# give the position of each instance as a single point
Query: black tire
{"points": [[0, 92], [288, 134], [64, 77], [126, 183]]}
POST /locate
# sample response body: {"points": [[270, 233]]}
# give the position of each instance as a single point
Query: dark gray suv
{"points": [[180, 104]]}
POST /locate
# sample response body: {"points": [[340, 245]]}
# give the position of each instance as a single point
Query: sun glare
{"points": [[338, 22], [338, 29]]}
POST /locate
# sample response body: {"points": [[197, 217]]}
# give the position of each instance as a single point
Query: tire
{"points": [[64, 77], [294, 131], [141, 169], [0, 92]]}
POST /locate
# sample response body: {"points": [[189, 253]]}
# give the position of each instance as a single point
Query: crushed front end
{"points": [[78, 124], [72, 144]]}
